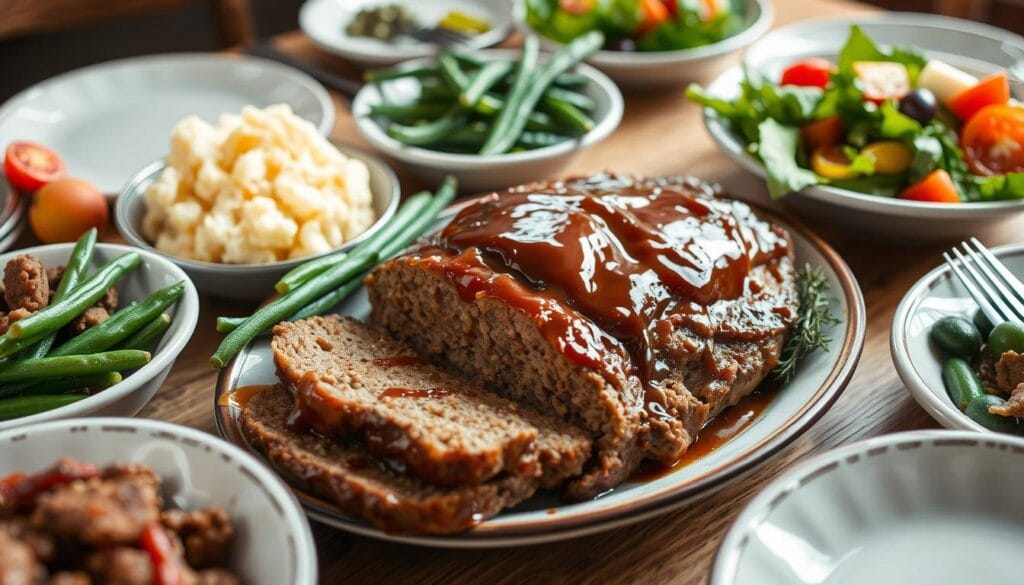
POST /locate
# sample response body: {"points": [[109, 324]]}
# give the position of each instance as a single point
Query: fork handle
{"points": [[347, 87]]}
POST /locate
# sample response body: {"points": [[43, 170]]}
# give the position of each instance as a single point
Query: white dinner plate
{"points": [[545, 517], [325, 21], [108, 120], [918, 361], [919, 508]]}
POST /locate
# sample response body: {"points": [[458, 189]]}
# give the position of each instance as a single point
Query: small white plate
{"points": [[545, 518], [936, 295], [325, 21], [920, 508], [273, 544], [107, 120], [977, 48]]}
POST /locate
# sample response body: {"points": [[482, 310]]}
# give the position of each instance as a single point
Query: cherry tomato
{"points": [[993, 90], [65, 209], [576, 7], [808, 73], [160, 547], [831, 162], [891, 157], [653, 13], [29, 166], [672, 6], [937, 187], [881, 81], [821, 133], [993, 140]]}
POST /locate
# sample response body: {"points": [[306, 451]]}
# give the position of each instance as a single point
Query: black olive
{"points": [[920, 105], [620, 44]]}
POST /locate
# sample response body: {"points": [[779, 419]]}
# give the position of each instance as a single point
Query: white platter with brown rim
{"points": [[767, 424]]}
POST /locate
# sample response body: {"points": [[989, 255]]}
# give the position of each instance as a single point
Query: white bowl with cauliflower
{"points": [[238, 203]]}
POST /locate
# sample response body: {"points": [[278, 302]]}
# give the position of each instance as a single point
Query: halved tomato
{"points": [[937, 187], [29, 166], [832, 163], [993, 140], [653, 13], [808, 73], [881, 80], [823, 132], [993, 90]]}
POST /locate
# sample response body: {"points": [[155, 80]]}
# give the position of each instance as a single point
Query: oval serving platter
{"points": [[545, 518]]}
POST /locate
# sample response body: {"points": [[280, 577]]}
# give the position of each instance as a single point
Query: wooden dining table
{"points": [[661, 134]]}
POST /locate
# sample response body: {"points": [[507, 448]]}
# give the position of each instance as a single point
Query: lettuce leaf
{"points": [[860, 47], [777, 149]]}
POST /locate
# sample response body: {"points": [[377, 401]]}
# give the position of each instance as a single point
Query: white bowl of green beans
{"points": [[413, 114], [45, 392]]}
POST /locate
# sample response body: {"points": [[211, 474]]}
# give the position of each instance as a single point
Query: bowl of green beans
{"points": [[112, 368], [491, 118]]}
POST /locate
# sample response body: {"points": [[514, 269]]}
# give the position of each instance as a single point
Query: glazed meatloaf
{"points": [[350, 379], [636, 309]]}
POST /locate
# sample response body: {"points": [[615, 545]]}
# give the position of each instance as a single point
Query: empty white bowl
{"points": [[273, 544], [654, 69], [153, 273], [920, 508], [475, 172], [977, 48], [246, 281]]}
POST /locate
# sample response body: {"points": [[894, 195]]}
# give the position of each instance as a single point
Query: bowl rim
{"points": [[132, 190], [729, 553], [373, 133], [757, 28], [180, 332], [276, 491], [936, 404], [734, 147]]}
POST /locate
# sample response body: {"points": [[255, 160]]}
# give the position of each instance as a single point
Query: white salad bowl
{"points": [[475, 172], [918, 508], [272, 544], [654, 69], [153, 273], [246, 281], [918, 361], [976, 48]]}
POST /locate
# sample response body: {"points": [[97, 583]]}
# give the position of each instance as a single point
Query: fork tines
{"points": [[998, 293]]}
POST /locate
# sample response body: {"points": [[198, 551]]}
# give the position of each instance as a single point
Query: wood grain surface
{"points": [[661, 134]]}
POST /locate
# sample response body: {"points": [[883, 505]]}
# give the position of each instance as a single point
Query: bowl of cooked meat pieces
{"points": [[518, 370], [138, 502]]}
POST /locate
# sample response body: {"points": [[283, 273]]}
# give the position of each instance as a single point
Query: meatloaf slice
{"points": [[349, 378], [349, 476]]}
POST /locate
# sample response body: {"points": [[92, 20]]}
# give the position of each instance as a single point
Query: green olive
{"points": [[956, 336], [1008, 336]]}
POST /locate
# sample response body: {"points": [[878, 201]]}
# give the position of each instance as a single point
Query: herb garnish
{"points": [[814, 315]]}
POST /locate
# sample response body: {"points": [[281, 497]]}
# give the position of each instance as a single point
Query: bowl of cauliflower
{"points": [[239, 203]]}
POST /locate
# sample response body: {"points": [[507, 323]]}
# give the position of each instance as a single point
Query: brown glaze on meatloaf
{"points": [[634, 308], [349, 476]]}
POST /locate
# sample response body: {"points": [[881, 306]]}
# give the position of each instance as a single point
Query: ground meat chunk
{"points": [[97, 313], [1010, 371], [53, 276], [215, 577], [1014, 406], [121, 566], [99, 512], [42, 544], [25, 283], [67, 578], [6, 319], [18, 566], [206, 534]]}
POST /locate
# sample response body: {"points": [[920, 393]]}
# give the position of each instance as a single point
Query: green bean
{"points": [[500, 138], [451, 72], [410, 209], [74, 269], [575, 98], [483, 81], [438, 94], [474, 135], [569, 79], [27, 405], [378, 75], [72, 365], [61, 385], [518, 107], [567, 113], [325, 303], [491, 106], [431, 132], [149, 334], [408, 112], [59, 314], [122, 324]]}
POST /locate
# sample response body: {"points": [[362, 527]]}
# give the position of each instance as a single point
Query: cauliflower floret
{"points": [[184, 216], [266, 226], [210, 180], [301, 199]]}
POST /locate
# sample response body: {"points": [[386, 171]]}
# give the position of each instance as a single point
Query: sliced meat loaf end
{"points": [[349, 476], [350, 378], [491, 341]]}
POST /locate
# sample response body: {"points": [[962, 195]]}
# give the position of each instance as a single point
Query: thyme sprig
{"points": [[815, 314]]}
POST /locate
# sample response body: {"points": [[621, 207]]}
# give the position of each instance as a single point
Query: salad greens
{"points": [[771, 117], [641, 25]]}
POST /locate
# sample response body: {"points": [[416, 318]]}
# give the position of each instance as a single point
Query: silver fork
{"points": [[442, 37], [998, 293]]}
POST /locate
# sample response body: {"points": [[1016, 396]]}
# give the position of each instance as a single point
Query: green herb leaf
{"points": [[1010, 186], [815, 315]]}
